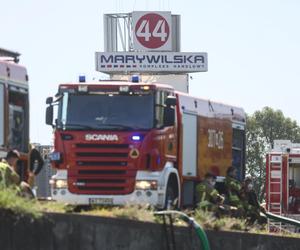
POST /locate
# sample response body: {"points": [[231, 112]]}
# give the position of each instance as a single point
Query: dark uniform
{"points": [[254, 211]]}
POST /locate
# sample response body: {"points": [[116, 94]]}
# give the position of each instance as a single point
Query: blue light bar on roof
{"points": [[81, 78], [135, 78]]}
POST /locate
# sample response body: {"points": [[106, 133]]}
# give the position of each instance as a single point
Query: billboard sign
{"points": [[171, 62], [152, 31]]}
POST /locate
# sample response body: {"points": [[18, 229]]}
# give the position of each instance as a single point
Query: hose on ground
{"points": [[189, 220]]}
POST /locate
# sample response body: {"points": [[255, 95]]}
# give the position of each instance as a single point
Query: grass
{"points": [[208, 221], [139, 213], [53, 207], [9, 200], [12, 202]]}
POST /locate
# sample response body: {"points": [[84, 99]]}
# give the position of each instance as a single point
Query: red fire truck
{"points": [[120, 142], [14, 105], [283, 179]]}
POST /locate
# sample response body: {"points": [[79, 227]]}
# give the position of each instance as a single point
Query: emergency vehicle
{"points": [[283, 179], [142, 139], [14, 105], [118, 142]]}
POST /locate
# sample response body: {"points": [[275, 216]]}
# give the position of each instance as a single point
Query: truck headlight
{"points": [[146, 185], [58, 184]]}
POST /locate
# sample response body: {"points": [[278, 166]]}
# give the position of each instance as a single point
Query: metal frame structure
{"points": [[118, 32]]}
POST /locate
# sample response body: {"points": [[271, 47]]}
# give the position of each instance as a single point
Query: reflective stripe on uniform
{"points": [[214, 193], [2, 175], [204, 204]]}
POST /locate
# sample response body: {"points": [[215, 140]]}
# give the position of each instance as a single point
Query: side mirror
{"points": [[36, 161], [171, 101], [169, 116], [49, 100], [49, 115]]}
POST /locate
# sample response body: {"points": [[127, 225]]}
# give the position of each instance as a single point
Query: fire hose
{"points": [[190, 221]]}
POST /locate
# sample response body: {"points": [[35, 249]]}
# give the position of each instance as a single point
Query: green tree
{"points": [[263, 127]]}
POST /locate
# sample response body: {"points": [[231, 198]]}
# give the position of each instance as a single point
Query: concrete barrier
{"points": [[74, 232]]}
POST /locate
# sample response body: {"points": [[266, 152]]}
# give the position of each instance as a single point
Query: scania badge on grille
{"points": [[78, 183], [101, 137]]}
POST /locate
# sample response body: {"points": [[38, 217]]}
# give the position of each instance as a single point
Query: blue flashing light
{"points": [[135, 78], [81, 78], [55, 156], [136, 138], [158, 160]]}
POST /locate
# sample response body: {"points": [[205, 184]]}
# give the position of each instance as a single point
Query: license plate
{"points": [[101, 201]]}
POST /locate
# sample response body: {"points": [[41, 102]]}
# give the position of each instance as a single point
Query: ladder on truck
{"points": [[275, 191]]}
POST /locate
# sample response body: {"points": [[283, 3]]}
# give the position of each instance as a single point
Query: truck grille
{"points": [[90, 145], [101, 169], [101, 163]]}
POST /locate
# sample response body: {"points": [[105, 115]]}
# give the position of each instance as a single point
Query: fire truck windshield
{"points": [[88, 111]]}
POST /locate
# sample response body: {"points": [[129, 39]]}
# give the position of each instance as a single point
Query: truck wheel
{"points": [[171, 201]]}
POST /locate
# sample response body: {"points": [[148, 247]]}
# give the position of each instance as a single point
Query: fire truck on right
{"points": [[283, 179]]}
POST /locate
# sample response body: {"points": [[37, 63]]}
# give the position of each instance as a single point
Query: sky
{"points": [[253, 48]]}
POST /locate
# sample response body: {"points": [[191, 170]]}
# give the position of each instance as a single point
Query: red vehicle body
{"points": [[122, 142], [14, 106], [283, 179]]}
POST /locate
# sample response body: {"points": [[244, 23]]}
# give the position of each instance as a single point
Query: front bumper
{"points": [[138, 197], [154, 197]]}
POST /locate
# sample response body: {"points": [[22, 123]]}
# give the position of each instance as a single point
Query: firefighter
{"points": [[234, 191], [9, 177], [208, 198], [254, 211]]}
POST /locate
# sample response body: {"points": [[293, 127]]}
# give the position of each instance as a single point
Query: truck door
{"points": [[293, 192], [189, 147], [238, 150]]}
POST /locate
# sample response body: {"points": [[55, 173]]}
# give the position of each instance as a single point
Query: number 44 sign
{"points": [[152, 30]]}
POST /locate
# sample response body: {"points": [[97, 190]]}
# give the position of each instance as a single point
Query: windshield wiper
{"points": [[115, 126], [100, 126], [78, 126], [123, 127]]}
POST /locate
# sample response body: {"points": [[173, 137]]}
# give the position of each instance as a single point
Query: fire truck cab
{"points": [[283, 179]]}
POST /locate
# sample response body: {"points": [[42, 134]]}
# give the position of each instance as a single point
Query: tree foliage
{"points": [[263, 127]]}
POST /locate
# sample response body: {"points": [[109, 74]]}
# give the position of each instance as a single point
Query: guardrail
{"points": [[283, 219]]}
